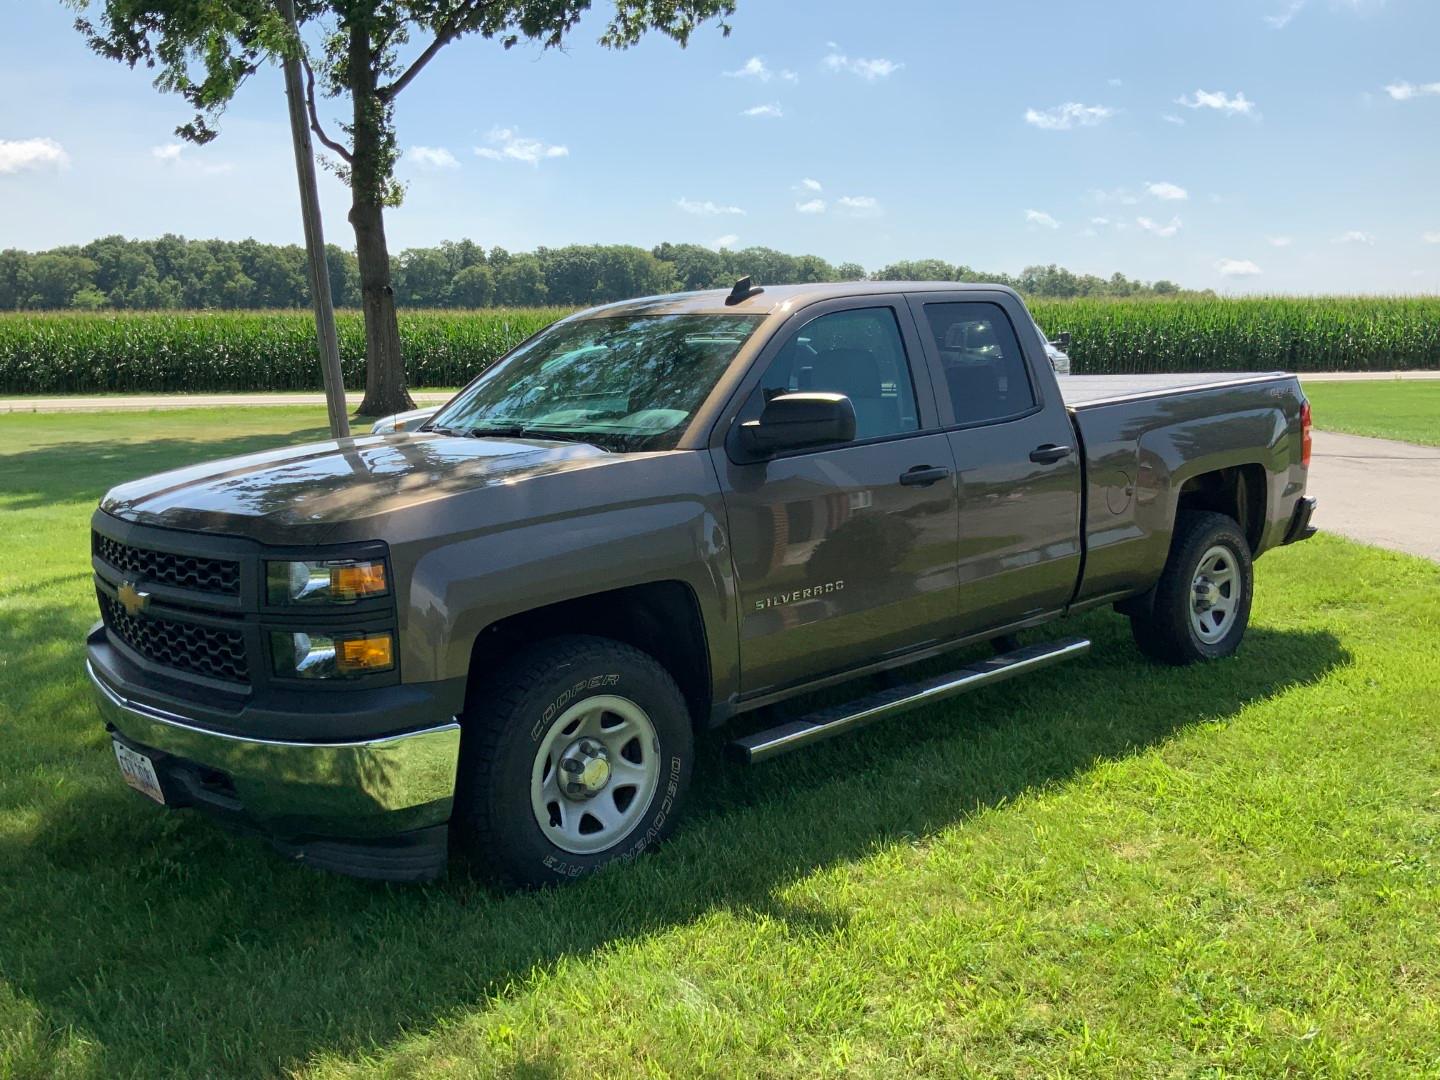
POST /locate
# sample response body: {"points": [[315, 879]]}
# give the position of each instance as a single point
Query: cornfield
{"points": [[1320, 333], [209, 351], [158, 352]]}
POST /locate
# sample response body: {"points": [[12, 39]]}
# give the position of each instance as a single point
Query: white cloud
{"points": [[1154, 228], [810, 185], [755, 68], [1404, 91], [1099, 221], [17, 155], [1171, 118], [706, 208], [1123, 196], [1279, 241], [1281, 19], [1039, 217], [771, 110], [1071, 114], [433, 157], [1239, 105], [1431, 237], [869, 70], [859, 205], [1354, 236], [1169, 192], [1237, 268], [509, 145], [172, 155], [729, 240], [811, 206], [1115, 82]]}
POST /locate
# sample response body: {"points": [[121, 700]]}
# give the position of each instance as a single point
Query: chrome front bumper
{"points": [[355, 790]]}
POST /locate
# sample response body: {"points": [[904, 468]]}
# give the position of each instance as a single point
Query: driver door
{"points": [[841, 558]]}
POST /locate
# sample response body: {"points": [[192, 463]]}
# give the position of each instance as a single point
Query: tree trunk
{"points": [[373, 158], [385, 391]]}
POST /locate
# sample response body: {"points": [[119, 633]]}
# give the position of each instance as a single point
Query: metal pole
{"points": [[314, 235]]}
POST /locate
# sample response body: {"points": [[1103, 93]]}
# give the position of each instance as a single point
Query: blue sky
{"points": [[1241, 145]]}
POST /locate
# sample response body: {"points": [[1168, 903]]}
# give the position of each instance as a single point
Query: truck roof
{"points": [[774, 298]]}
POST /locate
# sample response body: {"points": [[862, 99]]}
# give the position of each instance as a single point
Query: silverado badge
{"points": [[132, 599]]}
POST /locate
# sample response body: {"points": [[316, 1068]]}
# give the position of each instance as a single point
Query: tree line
{"points": [[173, 272]]}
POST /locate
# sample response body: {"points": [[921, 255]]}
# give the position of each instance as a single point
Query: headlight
{"points": [[337, 581], [321, 656]]}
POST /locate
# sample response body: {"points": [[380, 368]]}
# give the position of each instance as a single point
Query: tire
{"points": [[1182, 625], [529, 746]]}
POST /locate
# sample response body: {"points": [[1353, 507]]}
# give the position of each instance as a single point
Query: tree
{"points": [[204, 50]]}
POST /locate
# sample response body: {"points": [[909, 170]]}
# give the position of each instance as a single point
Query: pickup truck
{"points": [[502, 630]]}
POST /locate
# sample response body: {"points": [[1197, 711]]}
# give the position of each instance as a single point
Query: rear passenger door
{"points": [[841, 558], [1015, 455]]}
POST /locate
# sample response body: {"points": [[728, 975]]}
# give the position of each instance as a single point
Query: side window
{"points": [[980, 355], [856, 353]]}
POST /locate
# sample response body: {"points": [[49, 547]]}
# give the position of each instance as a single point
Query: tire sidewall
{"points": [[528, 854]]}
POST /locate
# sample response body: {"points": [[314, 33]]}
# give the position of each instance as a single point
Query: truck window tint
{"points": [[980, 355], [856, 353]]}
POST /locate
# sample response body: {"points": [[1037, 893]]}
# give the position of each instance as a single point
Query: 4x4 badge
{"points": [[132, 599]]}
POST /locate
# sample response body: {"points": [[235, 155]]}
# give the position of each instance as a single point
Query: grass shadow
{"points": [[173, 948]]}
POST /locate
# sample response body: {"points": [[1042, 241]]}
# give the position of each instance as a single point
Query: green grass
{"points": [[1110, 869], [1408, 410]]}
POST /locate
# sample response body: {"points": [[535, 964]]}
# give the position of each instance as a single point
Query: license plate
{"points": [[139, 772]]}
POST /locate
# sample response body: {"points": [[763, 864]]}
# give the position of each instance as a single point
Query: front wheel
{"points": [[1201, 604], [579, 756]]}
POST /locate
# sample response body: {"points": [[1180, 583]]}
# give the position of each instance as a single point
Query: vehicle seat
{"points": [[856, 374]]}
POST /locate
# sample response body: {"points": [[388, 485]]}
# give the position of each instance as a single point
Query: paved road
{"points": [[1378, 491], [146, 402], [143, 402]]}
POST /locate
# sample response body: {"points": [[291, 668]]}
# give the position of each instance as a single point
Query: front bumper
{"points": [[376, 807]]}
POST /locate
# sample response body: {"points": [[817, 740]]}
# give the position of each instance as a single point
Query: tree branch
{"points": [[326, 141], [448, 32]]}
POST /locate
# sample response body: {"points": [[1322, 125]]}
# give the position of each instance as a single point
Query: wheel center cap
{"points": [[1206, 593], [584, 769]]}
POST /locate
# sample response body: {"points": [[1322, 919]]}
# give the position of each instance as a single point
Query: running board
{"points": [[850, 715]]}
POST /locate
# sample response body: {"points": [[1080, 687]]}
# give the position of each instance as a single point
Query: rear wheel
{"points": [[1201, 603], [578, 756]]}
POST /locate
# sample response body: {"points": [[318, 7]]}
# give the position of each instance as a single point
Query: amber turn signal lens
{"points": [[359, 655], [355, 581]]}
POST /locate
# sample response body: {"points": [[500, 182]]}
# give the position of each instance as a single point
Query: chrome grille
{"points": [[205, 650], [163, 568]]}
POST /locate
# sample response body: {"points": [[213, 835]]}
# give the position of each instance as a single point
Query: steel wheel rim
{"points": [[1215, 594], [586, 824]]}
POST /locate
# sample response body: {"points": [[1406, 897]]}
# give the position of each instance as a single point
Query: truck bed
{"points": [[1079, 391]]}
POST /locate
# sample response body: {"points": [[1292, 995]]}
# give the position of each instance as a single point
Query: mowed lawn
{"points": [[1404, 409], [1111, 869]]}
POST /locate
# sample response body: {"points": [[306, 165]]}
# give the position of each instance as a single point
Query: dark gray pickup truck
{"points": [[504, 628]]}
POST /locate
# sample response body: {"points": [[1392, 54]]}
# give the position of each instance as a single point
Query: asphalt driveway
{"points": [[1378, 491]]}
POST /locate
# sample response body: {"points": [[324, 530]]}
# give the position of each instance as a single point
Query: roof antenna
{"points": [[742, 291]]}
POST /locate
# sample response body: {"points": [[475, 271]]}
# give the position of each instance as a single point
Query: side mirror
{"points": [[1063, 341], [795, 421]]}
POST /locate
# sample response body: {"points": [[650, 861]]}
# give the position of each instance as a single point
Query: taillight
{"points": [[1305, 434]]}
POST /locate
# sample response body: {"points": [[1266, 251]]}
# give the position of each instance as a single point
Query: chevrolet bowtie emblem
{"points": [[132, 599]]}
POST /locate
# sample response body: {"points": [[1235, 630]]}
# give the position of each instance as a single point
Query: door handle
{"points": [[923, 475], [1049, 453]]}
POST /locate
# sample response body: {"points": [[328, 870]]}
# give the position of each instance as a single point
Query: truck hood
{"points": [[297, 494]]}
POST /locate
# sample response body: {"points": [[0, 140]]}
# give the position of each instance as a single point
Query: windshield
{"points": [[630, 382]]}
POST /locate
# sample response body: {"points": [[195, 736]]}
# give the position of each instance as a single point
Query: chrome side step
{"points": [[849, 715]]}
